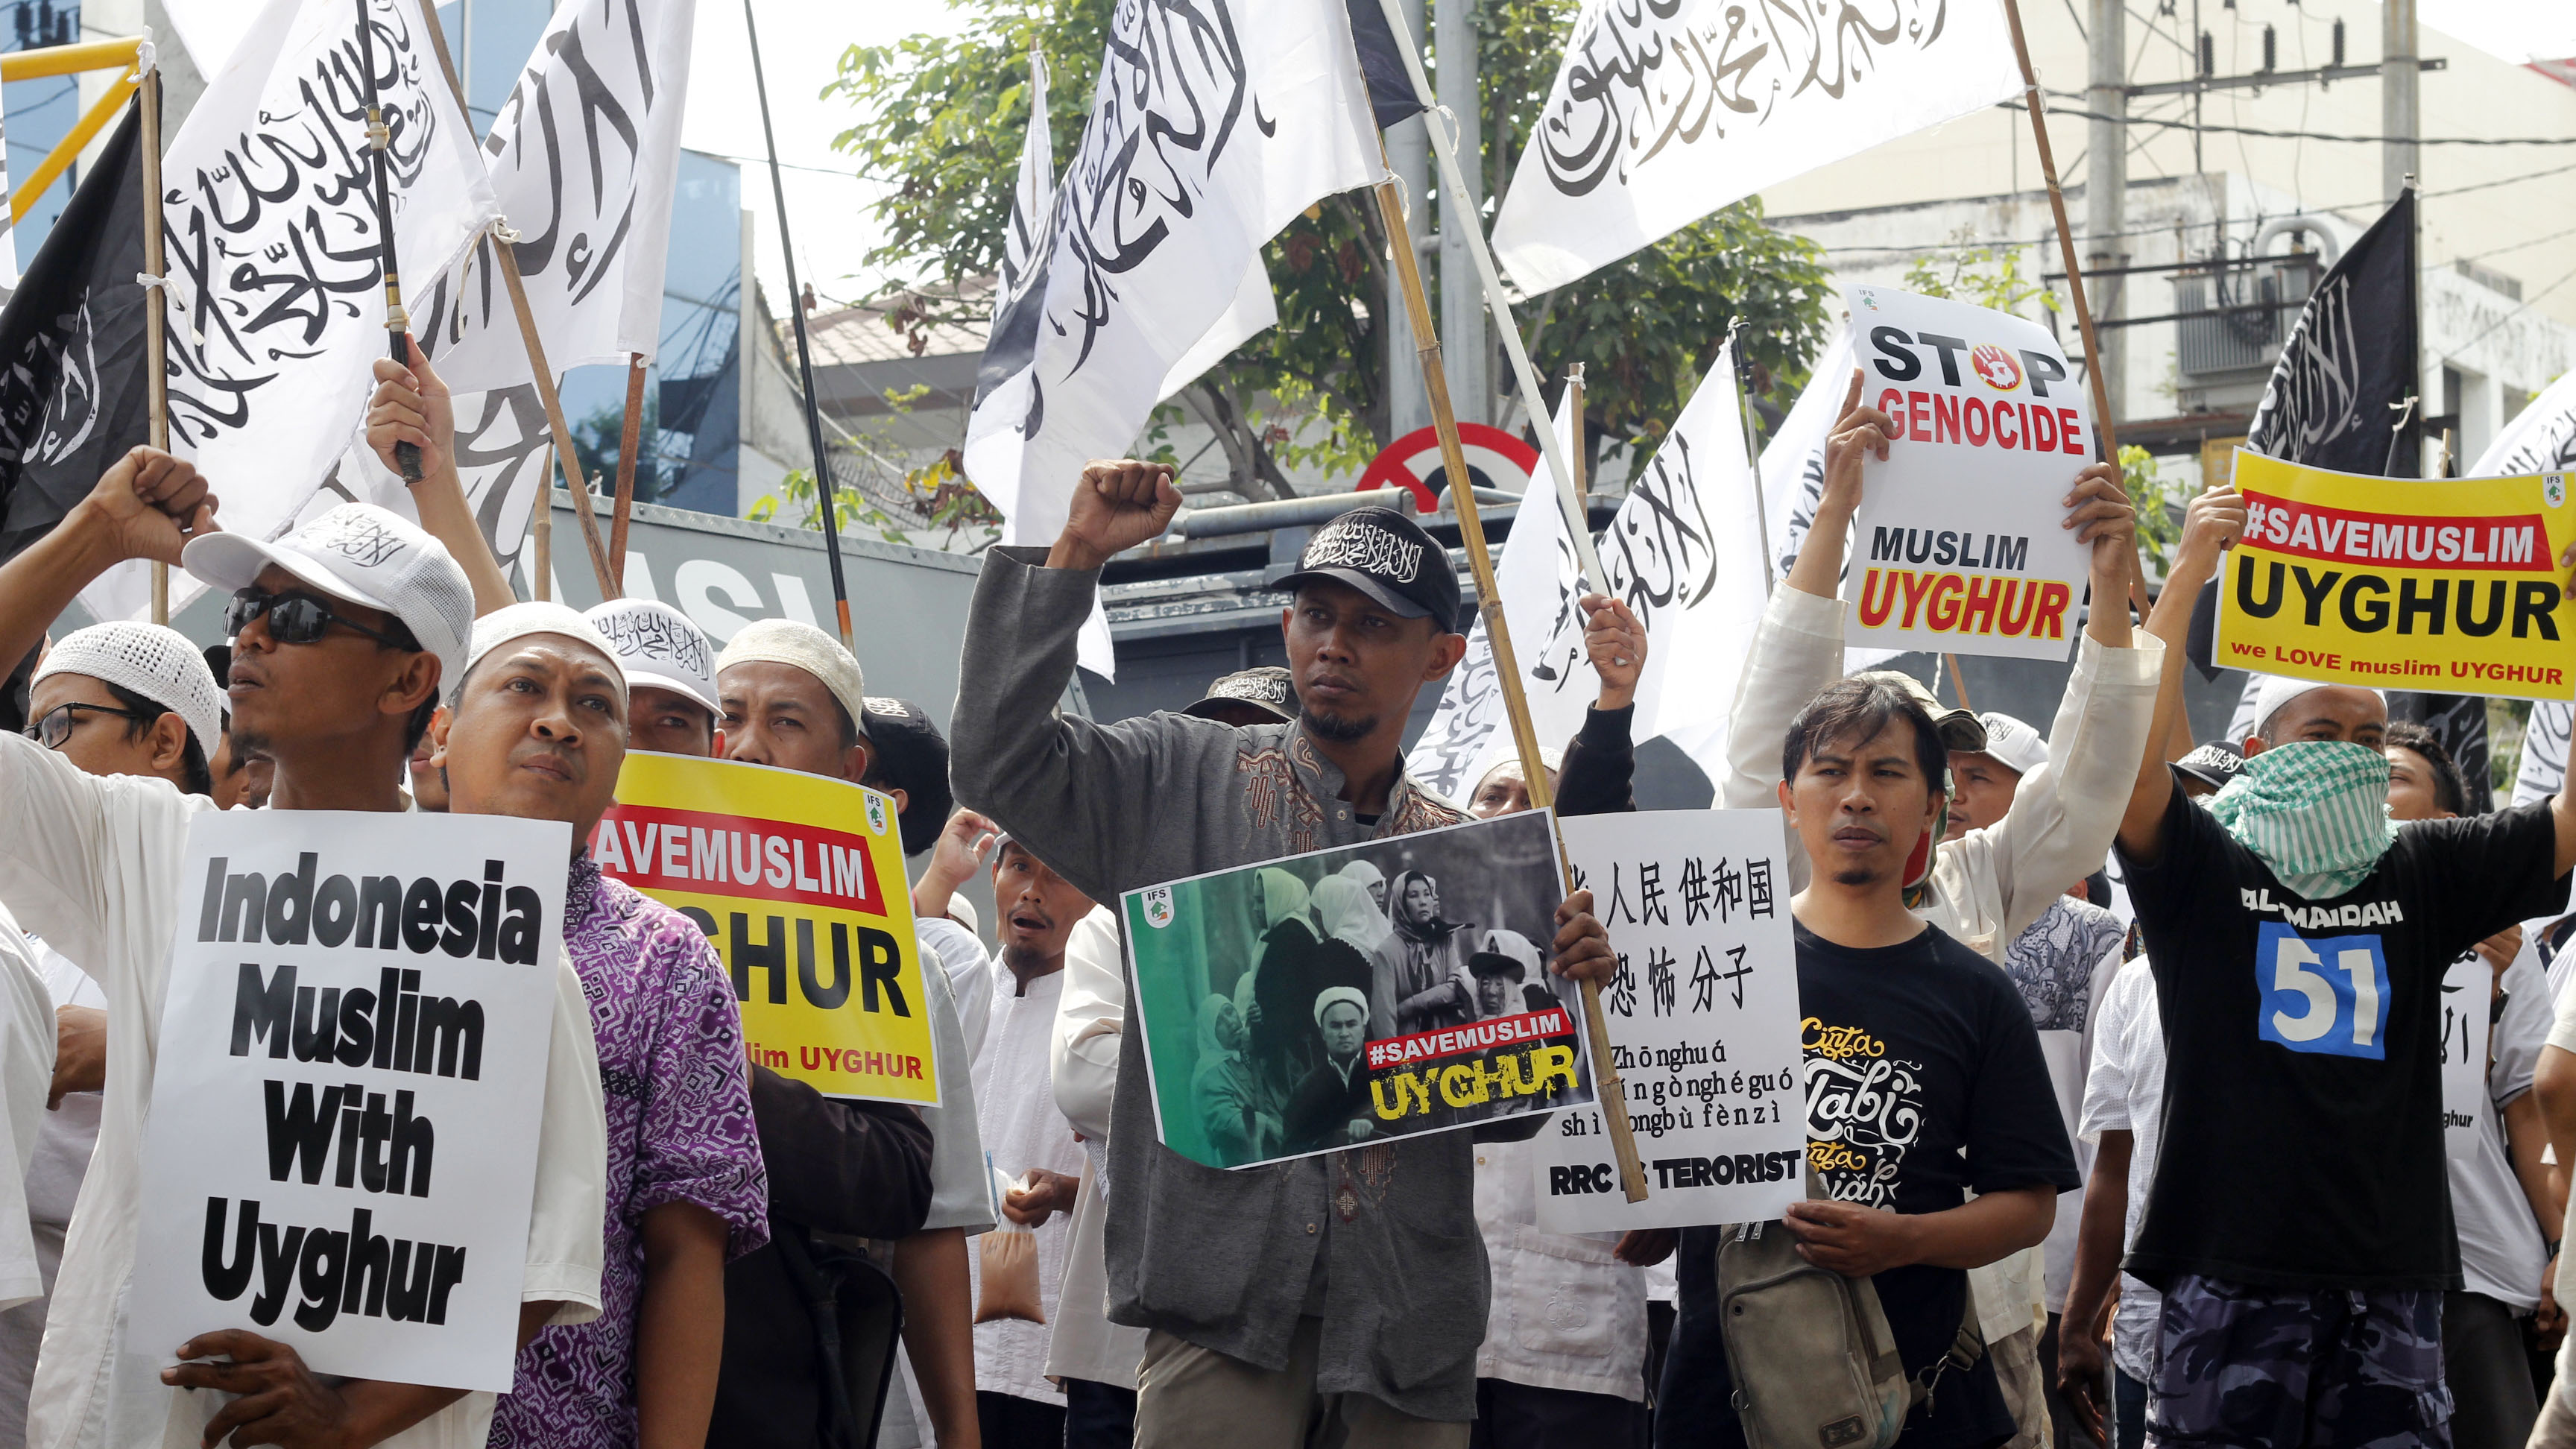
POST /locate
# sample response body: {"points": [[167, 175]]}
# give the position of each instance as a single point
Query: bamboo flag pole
{"points": [[2105, 426], [1752, 446], [156, 320], [1578, 524], [1489, 603], [626, 447], [505, 260]]}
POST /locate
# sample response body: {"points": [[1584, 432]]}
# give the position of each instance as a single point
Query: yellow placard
{"points": [[2449, 585], [798, 880]]}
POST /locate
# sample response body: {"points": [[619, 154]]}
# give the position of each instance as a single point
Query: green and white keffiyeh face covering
{"points": [[2316, 811]]}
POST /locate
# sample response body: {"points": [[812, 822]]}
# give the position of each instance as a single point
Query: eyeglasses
{"points": [[299, 618], [56, 725]]}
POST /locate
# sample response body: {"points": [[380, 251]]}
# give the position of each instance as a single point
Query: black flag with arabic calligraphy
{"points": [[72, 337], [2341, 395]]}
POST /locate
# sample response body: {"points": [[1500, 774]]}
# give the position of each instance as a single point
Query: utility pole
{"points": [[2398, 118], [1408, 154], [2106, 186], [1470, 350]]}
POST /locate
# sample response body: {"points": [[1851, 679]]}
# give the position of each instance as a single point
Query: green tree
{"points": [[948, 115]]}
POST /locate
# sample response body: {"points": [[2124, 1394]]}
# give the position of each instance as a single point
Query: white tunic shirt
{"points": [[1016, 1112], [2125, 1092], [92, 864]]}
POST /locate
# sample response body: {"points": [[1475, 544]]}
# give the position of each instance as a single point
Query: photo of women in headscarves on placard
{"points": [[1332, 1000]]}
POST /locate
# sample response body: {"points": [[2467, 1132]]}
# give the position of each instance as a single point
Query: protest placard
{"points": [[2447, 584], [798, 879], [342, 1145], [1354, 995], [1703, 1019], [1958, 544], [2468, 989]]}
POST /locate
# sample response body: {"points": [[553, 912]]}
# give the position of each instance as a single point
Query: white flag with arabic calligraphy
{"points": [[1684, 552], [1665, 110], [583, 158], [1213, 124], [275, 261]]}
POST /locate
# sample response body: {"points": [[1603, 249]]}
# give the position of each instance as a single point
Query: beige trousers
{"points": [[2556, 1427], [2016, 1357], [1190, 1397]]}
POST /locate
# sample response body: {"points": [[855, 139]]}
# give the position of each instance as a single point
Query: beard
{"points": [[1339, 728], [1025, 958], [1856, 875]]}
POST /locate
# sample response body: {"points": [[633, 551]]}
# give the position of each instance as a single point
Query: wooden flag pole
{"points": [[626, 446], [2104, 427], [505, 260], [1489, 603], [156, 316]]}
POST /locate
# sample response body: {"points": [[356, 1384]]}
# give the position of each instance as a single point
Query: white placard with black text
{"points": [[357, 1193], [1960, 544], [1703, 1021]]}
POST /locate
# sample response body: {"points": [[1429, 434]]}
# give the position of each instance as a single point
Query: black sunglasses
{"points": [[299, 618], [56, 725]]}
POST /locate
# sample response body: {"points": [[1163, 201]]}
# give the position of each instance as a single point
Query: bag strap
{"points": [[1967, 1345]]}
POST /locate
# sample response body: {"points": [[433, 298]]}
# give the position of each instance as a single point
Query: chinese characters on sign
{"points": [[1703, 1021]]}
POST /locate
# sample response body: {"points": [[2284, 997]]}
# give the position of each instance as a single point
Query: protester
{"points": [[343, 631], [670, 675], [1504, 788], [162, 690], [2060, 963], [2303, 1242], [794, 699], [2504, 1208], [1093, 1358], [35, 1200], [536, 728], [2554, 1084], [1562, 1366], [1337, 1299], [1267, 695], [1863, 766], [1027, 1140], [909, 761], [2123, 1110], [428, 790]]}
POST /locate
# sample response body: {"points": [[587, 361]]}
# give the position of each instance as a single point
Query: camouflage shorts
{"points": [[2277, 1368]]}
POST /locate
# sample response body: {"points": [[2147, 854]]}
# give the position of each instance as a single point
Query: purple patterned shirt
{"points": [[679, 1130]]}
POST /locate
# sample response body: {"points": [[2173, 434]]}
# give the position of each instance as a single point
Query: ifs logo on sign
{"points": [[1158, 907], [876, 815]]}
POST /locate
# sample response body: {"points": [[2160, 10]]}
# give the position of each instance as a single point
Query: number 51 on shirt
{"points": [[2328, 994]]}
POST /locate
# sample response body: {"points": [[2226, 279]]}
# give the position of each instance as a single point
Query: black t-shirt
{"points": [[2303, 1078], [1924, 1079]]}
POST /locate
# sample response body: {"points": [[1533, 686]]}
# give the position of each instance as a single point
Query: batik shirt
{"points": [[679, 1130]]}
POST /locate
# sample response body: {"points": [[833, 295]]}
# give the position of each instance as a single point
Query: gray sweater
{"points": [[1384, 1234]]}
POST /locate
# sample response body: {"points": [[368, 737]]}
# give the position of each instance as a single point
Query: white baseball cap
{"points": [[518, 621], [366, 555], [659, 648], [784, 641], [153, 661], [2015, 745]]}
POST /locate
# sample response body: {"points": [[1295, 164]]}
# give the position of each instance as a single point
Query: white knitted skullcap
{"points": [[2271, 691], [518, 621], [155, 662], [1332, 996], [784, 641]]}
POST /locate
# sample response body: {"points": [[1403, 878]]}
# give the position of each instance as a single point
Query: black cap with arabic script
{"points": [[1388, 557]]}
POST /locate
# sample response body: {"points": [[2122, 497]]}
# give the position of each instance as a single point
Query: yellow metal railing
{"points": [[70, 60]]}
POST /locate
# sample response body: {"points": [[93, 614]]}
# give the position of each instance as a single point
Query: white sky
{"points": [[801, 42]]}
